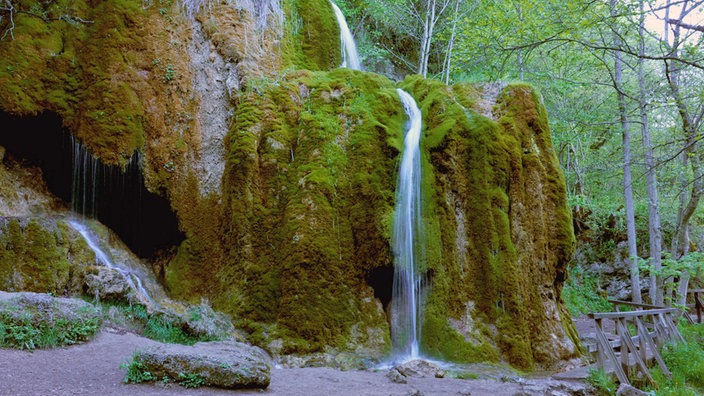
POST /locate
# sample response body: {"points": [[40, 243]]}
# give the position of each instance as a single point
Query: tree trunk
{"points": [[447, 65], [680, 240], [627, 178], [656, 284]]}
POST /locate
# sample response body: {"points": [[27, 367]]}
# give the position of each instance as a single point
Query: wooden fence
{"points": [[634, 339]]}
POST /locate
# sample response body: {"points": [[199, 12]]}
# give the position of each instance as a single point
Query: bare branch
{"points": [[699, 28]]}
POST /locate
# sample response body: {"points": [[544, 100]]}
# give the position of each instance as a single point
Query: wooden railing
{"points": [[621, 350], [698, 306]]}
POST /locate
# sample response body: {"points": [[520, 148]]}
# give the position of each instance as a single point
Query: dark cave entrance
{"points": [[381, 279], [119, 199]]}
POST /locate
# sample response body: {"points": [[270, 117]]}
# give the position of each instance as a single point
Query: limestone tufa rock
{"points": [[222, 364]]}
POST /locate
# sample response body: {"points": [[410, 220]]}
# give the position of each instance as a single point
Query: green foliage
{"points": [[691, 263], [604, 384], [136, 371], [191, 380], [163, 329], [159, 327], [26, 331], [582, 293], [686, 363]]}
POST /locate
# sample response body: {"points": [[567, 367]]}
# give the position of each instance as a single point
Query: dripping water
{"points": [[91, 180]]}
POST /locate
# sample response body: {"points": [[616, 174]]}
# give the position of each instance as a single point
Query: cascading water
{"points": [[407, 240], [350, 58], [102, 257], [407, 236]]}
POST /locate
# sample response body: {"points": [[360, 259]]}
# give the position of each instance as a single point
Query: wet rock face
{"points": [[283, 183], [225, 364]]}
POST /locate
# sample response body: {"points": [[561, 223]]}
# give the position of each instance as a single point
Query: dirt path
{"points": [[94, 369]]}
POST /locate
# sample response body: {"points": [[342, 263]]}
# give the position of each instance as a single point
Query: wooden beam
{"points": [[632, 314]]}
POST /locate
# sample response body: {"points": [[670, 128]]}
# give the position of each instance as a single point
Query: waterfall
{"points": [[350, 58], [408, 240], [92, 180], [102, 257]]}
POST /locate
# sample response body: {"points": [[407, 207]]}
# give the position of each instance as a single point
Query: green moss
{"points": [[478, 176], [307, 188], [312, 40], [442, 341]]}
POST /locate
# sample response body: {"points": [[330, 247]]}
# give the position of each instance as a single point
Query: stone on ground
{"points": [[221, 364], [419, 368]]}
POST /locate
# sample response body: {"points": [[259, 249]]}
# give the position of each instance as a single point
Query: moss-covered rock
{"points": [[505, 233], [308, 191], [42, 255], [36, 320], [300, 228], [313, 39]]}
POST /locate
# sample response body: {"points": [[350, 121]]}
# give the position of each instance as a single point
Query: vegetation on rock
{"points": [[31, 320], [295, 246]]}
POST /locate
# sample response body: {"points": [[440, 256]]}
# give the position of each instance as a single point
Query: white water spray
{"points": [[350, 57], [408, 240]]}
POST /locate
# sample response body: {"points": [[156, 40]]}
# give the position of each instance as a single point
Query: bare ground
{"points": [[94, 369]]}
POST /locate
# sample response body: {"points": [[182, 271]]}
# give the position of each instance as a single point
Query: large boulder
{"points": [[36, 320], [222, 364]]}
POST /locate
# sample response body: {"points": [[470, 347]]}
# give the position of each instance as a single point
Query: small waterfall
{"points": [[92, 182], [408, 240], [350, 58], [102, 257]]}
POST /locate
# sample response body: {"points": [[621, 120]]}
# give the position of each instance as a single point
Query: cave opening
{"points": [[118, 198], [381, 279]]}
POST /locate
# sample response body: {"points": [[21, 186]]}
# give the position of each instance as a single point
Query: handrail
{"points": [[635, 350], [632, 304], [631, 314]]}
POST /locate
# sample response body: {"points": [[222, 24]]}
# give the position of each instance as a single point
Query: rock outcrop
{"points": [[293, 239], [223, 364]]}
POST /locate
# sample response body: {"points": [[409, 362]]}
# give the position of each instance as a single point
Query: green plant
{"points": [[581, 292], [685, 360], [136, 371], [603, 383], [191, 380], [169, 73], [23, 333]]}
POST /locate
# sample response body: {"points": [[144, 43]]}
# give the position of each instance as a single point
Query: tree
{"points": [[691, 121], [627, 177]]}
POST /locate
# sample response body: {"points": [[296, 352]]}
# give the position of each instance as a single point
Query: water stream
{"points": [[407, 241], [350, 57], [103, 258]]}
